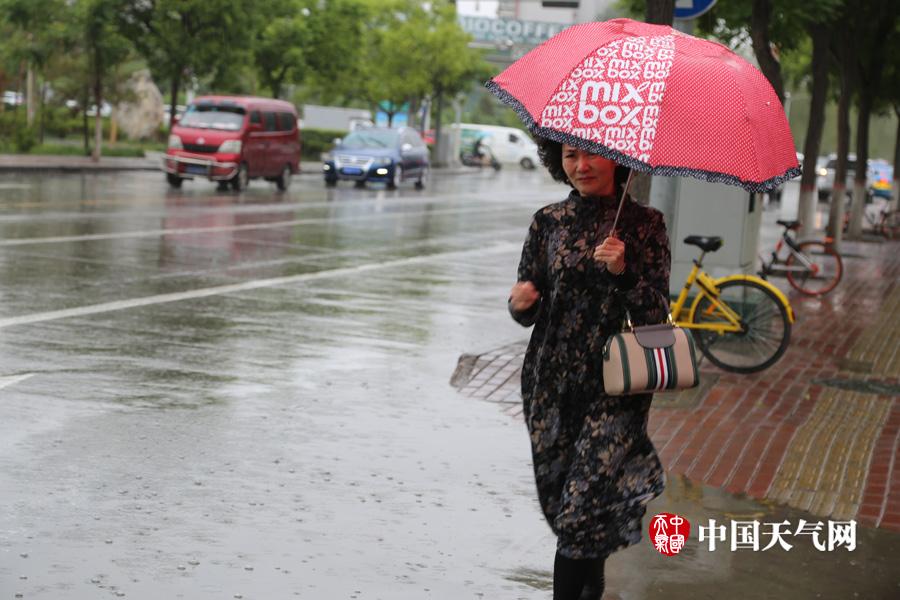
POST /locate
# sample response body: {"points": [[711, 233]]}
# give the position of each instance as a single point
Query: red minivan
{"points": [[233, 139]]}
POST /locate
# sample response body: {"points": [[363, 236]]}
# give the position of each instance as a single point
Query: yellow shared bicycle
{"points": [[741, 323]]}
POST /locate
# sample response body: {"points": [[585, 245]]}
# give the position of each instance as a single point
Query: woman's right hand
{"points": [[523, 296]]}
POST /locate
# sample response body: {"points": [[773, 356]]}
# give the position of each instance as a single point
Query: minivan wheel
{"points": [[283, 182], [241, 179], [527, 163], [423, 179], [174, 180], [397, 178]]}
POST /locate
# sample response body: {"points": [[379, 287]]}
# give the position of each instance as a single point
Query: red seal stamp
{"points": [[668, 533]]}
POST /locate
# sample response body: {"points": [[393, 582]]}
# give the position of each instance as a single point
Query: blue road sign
{"points": [[691, 9]]}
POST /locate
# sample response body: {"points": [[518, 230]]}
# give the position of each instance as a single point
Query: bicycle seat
{"points": [[789, 224], [705, 243]]}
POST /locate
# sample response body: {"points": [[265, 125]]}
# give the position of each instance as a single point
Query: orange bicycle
{"points": [[812, 267]]}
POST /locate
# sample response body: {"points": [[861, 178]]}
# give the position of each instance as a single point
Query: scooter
{"points": [[470, 159]]}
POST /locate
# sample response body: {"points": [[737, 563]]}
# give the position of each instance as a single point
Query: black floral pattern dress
{"points": [[594, 464]]}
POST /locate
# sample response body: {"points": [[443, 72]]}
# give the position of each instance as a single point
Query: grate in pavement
{"points": [[865, 386]]}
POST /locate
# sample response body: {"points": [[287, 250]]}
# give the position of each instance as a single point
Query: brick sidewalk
{"points": [[818, 431]]}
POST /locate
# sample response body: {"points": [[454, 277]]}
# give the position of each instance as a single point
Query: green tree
{"points": [[874, 22], [105, 49], [450, 65], [182, 38], [396, 40], [282, 40], [31, 40], [336, 61]]}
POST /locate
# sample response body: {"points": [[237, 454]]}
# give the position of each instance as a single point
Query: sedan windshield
{"points": [[229, 118], [370, 139]]}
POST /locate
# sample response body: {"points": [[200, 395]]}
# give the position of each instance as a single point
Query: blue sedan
{"points": [[379, 154]]}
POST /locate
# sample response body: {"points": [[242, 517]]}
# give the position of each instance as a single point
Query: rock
{"points": [[141, 115]]}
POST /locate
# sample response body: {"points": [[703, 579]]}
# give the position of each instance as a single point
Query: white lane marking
{"points": [[200, 210], [245, 227], [14, 379], [248, 285]]}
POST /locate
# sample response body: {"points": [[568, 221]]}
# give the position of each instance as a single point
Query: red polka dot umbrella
{"points": [[654, 99]]}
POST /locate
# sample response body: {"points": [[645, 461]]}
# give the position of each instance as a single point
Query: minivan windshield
{"points": [[211, 116], [371, 139]]}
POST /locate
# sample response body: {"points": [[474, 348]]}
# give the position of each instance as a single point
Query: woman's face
{"points": [[591, 174]]}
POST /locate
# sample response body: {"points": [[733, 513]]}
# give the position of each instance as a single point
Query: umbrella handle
{"points": [[612, 232]]}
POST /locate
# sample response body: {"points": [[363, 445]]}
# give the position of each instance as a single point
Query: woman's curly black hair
{"points": [[550, 153]]}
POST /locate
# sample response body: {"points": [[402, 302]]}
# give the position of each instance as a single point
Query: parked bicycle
{"points": [[881, 219], [812, 267], [741, 323], [889, 224]]}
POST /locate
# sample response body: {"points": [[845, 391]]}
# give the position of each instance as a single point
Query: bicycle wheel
{"points": [[765, 332], [890, 225], [825, 272]]}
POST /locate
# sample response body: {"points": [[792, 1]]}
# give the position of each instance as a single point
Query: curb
{"points": [[18, 163]]}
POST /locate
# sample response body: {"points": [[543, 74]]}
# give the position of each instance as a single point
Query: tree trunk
{"points": [[98, 119], [660, 12], [42, 110], [762, 46], [85, 98], [838, 188], [29, 95], [858, 207], [176, 82], [871, 70], [895, 191], [438, 143], [113, 128], [806, 210], [412, 119]]}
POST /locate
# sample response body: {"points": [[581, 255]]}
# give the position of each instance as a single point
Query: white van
{"points": [[508, 144]]}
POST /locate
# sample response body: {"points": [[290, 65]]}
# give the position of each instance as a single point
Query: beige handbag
{"points": [[649, 359]]}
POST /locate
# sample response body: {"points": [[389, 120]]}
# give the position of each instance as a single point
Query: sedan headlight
{"points": [[175, 142], [230, 147], [823, 172], [383, 161]]}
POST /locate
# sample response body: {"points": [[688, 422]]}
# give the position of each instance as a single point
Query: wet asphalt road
{"points": [[213, 395]]}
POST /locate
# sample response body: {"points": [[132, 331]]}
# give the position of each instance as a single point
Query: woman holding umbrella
{"points": [[600, 97], [594, 463]]}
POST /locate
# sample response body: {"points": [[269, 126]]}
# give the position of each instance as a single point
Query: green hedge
{"points": [[63, 135], [317, 141]]}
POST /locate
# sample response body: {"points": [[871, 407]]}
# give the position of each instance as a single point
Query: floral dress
{"points": [[594, 464]]}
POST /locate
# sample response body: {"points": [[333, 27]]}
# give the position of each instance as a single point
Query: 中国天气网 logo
{"points": [[669, 533]]}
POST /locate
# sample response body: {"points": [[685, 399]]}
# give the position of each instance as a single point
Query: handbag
{"points": [[648, 359]]}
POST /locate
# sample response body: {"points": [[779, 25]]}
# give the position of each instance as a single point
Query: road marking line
{"points": [[14, 379], [248, 285], [204, 209], [248, 226]]}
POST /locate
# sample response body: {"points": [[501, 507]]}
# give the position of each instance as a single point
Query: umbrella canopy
{"points": [[656, 100]]}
